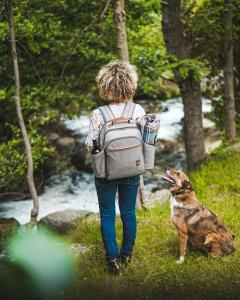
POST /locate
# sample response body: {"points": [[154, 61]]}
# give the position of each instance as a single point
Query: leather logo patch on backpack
{"points": [[138, 162]]}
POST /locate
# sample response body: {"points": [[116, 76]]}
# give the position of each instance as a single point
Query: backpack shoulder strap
{"points": [[106, 113], [129, 110]]}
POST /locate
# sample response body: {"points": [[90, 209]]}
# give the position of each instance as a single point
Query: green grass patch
{"points": [[153, 273]]}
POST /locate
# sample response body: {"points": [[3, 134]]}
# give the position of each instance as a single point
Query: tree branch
{"points": [[100, 18], [28, 148], [31, 60], [189, 9], [167, 79], [15, 193]]}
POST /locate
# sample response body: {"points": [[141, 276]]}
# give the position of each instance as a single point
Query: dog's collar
{"points": [[181, 191]]}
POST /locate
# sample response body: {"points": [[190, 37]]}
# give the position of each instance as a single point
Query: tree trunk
{"points": [[120, 23], [229, 100], [122, 50], [237, 80], [189, 87], [236, 60], [140, 204], [193, 128], [30, 181]]}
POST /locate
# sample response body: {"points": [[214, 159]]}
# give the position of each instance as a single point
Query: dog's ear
{"points": [[187, 184]]}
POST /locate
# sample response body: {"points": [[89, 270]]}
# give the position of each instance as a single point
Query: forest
{"points": [[187, 55]]}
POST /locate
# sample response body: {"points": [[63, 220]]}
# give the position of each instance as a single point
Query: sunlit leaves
{"points": [[3, 94], [13, 159]]}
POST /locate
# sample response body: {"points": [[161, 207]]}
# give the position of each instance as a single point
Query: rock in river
{"points": [[65, 144], [7, 227], [63, 221], [159, 197], [81, 159]]}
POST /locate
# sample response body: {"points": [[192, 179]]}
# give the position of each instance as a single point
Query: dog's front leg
{"points": [[183, 237]]}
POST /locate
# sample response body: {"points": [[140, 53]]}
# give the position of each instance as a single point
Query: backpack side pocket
{"points": [[98, 164], [149, 156]]}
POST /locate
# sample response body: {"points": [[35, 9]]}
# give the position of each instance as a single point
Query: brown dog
{"points": [[194, 222]]}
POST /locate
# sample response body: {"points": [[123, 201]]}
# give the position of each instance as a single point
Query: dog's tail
{"points": [[227, 246], [220, 244]]}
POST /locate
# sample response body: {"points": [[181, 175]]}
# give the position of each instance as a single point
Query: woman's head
{"points": [[117, 81]]}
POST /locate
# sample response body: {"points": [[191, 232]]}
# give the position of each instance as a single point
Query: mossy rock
{"points": [[64, 221], [7, 227]]}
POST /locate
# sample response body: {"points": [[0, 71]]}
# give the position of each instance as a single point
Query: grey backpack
{"points": [[123, 152]]}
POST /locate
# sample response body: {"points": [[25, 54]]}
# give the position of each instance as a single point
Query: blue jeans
{"points": [[127, 192]]}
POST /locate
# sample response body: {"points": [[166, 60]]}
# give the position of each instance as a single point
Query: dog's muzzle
{"points": [[169, 179]]}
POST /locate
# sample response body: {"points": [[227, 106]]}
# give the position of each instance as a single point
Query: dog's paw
{"points": [[181, 260]]}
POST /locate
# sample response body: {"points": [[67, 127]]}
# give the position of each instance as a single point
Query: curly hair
{"points": [[117, 81]]}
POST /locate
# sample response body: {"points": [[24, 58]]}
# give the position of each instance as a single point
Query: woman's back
{"points": [[97, 120]]}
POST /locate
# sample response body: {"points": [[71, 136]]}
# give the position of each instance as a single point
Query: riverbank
{"points": [[154, 273]]}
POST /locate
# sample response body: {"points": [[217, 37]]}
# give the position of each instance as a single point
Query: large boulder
{"points": [[159, 197], [63, 221], [65, 144], [53, 137], [169, 153], [234, 147], [7, 227], [78, 249], [81, 159]]}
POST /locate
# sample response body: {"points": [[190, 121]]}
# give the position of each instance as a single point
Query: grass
{"points": [[153, 273]]}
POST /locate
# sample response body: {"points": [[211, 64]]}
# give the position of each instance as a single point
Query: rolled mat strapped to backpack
{"points": [[123, 151]]}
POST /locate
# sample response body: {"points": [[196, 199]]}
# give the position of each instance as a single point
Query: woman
{"points": [[117, 83]]}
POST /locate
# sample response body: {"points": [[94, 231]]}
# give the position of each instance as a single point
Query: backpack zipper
{"points": [[126, 148], [129, 127], [123, 137], [112, 129]]}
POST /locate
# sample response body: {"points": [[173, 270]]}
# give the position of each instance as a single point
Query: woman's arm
{"points": [[95, 125], [138, 112]]}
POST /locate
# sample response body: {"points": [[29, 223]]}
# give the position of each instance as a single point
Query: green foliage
{"points": [[146, 46], [62, 45], [153, 273], [3, 94], [204, 27], [13, 159], [219, 114], [186, 67], [191, 66]]}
